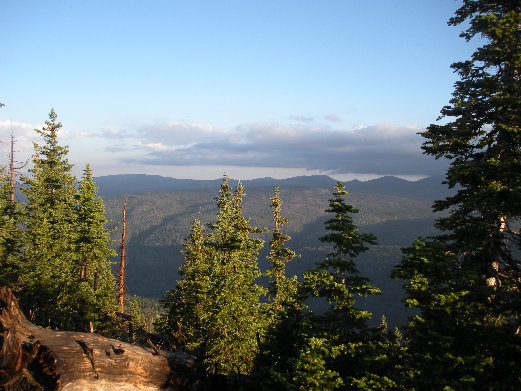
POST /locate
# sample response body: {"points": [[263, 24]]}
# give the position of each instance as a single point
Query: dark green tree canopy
{"points": [[67, 282], [217, 300], [466, 281], [482, 137]]}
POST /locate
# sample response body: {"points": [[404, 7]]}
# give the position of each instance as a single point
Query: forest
{"points": [[240, 316]]}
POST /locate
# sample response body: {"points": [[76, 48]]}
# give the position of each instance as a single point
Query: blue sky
{"points": [[191, 89]]}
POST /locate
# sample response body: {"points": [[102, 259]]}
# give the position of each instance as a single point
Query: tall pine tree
{"points": [[284, 335], [218, 299], [66, 275], [50, 252], [336, 348], [466, 282], [337, 278], [235, 319], [92, 284], [281, 289], [189, 303], [342, 350]]}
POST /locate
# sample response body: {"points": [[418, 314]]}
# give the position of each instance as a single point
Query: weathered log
{"points": [[32, 358]]}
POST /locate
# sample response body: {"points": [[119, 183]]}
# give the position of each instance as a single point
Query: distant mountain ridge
{"points": [[161, 210], [427, 189]]}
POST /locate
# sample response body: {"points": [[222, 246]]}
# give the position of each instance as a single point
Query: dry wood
{"points": [[121, 276], [32, 358]]}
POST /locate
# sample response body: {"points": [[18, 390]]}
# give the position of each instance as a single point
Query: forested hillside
{"points": [[159, 222], [257, 310]]}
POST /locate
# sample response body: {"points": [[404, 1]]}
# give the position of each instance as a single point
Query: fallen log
{"points": [[32, 358]]}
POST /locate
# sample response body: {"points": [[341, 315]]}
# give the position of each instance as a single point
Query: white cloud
{"points": [[383, 149], [262, 149]]}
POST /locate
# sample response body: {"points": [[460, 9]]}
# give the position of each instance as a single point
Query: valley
{"points": [[158, 222]]}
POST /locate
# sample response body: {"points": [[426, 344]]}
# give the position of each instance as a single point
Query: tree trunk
{"points": [[121, 277], [32, 358]]}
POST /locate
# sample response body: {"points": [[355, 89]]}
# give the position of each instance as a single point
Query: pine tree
{"points": [[93, 284], [217, 302], [49, 237], [281, 289], [466, 281], [137, 320], [10, 234], [337, 278], [341, 350], [235, 320], [189, 303], [285, 334]]}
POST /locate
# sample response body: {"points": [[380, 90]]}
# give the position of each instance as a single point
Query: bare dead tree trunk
{"points": [[12, 170], [32, 358], [121, 283]]}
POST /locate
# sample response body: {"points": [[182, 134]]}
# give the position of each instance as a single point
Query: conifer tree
{"points": [[67, 281], [235, 319], [10, 233], [189, 303], [93, 284], [285, 333], [281, 288], [337, 349], [217, 302], [50, 252], [10, 224], [137, 319], [466, 281], [337, 278]]}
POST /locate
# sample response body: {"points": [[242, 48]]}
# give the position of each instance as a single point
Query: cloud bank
{"points": [[307, 145], [380, 149]]}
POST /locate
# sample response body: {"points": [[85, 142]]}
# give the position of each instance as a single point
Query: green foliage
{"points": [[92, 269], [67, 281], [312, 371], [282, 290], [161, 221], [217, 300], [336, 349], [344, 351], [137, 320], [189, 303], [10, 232], [465, 282], [454, 334], [336, 278], [49, 239]]}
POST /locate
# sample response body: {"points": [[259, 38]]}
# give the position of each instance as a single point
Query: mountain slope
{"points": [[158, 222], [427, 189]]}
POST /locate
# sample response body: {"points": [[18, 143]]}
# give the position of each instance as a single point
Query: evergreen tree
{"points": [[466, 281], [235, 320], [335, 349], [337, 278], [281, 289], [50, 252], [286, 323], [10, 233], [218, 300], [66, 273], [189, 303], [137, 319], [343, 351], [92, 285]]}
